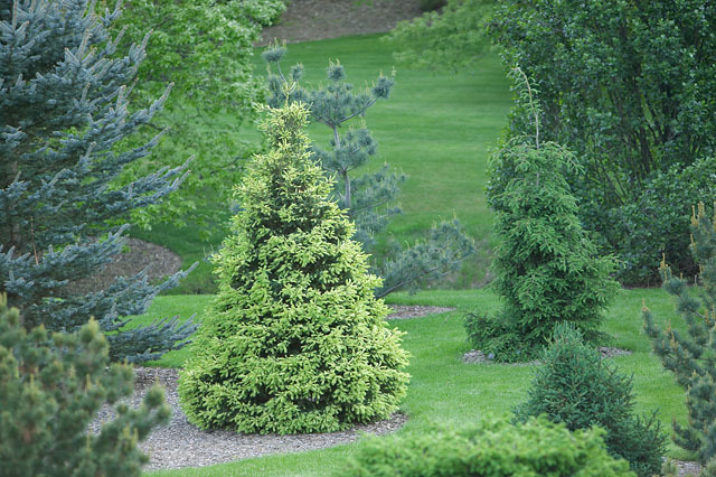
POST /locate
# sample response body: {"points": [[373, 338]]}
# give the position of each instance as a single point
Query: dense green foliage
{"points": [[51, 388], [631, 88], [576, 387], [368, 198], [453, 37], [491, 448], [295, 340], [204, 48], [547, 268], [628, 86], [64, 113], [691, 356]]}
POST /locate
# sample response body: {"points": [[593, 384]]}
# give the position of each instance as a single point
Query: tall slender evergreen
{"points": [[64, 112], [295, 340]]}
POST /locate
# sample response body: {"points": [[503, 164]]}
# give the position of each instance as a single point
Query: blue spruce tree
{"points": [[367, 198], [63, 116]]}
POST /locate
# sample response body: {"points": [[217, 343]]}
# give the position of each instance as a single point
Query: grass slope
{"points": [[437, 127], [444, 390]]}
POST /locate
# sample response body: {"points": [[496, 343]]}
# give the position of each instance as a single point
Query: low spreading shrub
{"points": [[51, 387], [576, 387], [492, 448]]}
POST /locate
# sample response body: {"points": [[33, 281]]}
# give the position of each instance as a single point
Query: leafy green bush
{"points": [[295, 340], [492, 448], [576, 387], [51, 389], [547, 268], [692, 356], [631, 88]]}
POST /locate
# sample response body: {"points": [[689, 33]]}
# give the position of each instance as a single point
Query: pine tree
{"points": [[367, 198], [63, 116], [692, 356], [51, 387], [295, 341]]}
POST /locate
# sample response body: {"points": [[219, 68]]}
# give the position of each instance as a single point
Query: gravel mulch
{"points": [[403, 312], [180, 444]]}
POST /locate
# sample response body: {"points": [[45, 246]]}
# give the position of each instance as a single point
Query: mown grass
{"points": [[444, 390], [436, 127]]}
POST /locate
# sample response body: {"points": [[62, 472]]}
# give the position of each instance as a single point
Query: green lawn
{"points": [[437, 127], [444, 390]]}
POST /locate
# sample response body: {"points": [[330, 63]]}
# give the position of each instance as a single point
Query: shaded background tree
{"points": [[628, 86], [205, 48], [64, 113], [369, 198]]}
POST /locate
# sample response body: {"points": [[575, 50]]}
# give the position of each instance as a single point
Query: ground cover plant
{"points": [[576, 387], [50, 389], [440, 142], [295, 341], [691, 356], [446, 391], [64, 112]]}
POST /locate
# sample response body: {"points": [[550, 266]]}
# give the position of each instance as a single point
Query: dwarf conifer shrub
{"points": [[692, 356], [51, 388], [576, 387], [295, 340], [492, 448]]}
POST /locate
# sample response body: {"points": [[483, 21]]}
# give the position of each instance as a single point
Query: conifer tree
{"points": [[575, 386], [295, 341], [548, 270], [51, 388], [63, 116], [692, 356], [368, 198]]}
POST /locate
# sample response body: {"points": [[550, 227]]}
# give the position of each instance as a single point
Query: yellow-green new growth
{"points": [[295, 340]]}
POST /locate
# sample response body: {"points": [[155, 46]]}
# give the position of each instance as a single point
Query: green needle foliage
{"points": [[576, 387], [692, 356], [295, 341], [548, 269], [51, 387], [64, 119], [491, 448], [367, 198]]}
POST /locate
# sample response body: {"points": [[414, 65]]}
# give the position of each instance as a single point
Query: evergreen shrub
{"points": [[295, 340], [51, 388], [576, 387], [692, 356], [548, 270], [491, 448]]}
